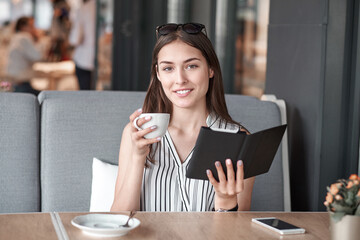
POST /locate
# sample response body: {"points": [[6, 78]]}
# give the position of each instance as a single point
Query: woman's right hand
{"points": [[132, 157], [139, 143]]}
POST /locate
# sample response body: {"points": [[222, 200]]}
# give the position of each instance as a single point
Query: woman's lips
{"points": [[183, 92]]}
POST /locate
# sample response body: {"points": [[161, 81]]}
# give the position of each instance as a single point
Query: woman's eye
{"points": [[167, 69], [191, 66]]}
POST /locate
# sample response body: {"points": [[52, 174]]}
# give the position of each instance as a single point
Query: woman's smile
{"points": [[183, 92]]}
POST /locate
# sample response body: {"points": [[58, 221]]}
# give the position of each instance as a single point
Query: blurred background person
{"points": [[6, 32], [105, 61], [59, 31], [22, 53], [82, 38]]}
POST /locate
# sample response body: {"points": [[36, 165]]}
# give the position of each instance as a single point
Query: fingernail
{"points": [[228, 161], [139, 110], [217, 163], [147, 117], [158, 138], [208, 172], [153, 127], [240, 162]]}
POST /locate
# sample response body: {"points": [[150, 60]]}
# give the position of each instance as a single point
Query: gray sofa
{"points": [[47, 145]]}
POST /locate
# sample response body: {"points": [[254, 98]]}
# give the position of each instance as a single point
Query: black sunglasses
{"points": [[191, 28]]}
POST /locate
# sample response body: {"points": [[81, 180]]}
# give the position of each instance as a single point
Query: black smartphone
{"points": [[278, 225]]}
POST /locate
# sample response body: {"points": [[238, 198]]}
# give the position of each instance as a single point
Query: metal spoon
{"points": [[132, 213]]}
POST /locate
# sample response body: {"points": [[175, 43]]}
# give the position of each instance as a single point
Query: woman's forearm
{"points": [[127, 194]]}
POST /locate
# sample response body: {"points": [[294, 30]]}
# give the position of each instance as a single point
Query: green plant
{"points": [[343, 198]]}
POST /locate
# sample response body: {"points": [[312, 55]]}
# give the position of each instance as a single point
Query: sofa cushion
{"points": [[103, 185], [19, 153], [75, 127]]}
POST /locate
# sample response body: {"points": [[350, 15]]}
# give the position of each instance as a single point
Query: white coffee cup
{"points": [[160, 120]]}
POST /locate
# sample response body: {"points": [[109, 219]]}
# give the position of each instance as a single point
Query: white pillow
{"points": [[103, 186]]}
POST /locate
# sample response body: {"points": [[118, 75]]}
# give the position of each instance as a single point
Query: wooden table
{"points": [[162, 225]]}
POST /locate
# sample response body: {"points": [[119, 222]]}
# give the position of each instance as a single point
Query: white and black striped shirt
{"points": [[165, 186]]}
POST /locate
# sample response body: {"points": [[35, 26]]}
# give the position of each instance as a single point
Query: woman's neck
{"points": [[188, 119]]}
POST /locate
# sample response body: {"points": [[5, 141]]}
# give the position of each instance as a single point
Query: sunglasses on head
{"points": [[190, 28]]}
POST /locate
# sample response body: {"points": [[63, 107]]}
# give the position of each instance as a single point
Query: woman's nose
{"points": [[181, 77]]}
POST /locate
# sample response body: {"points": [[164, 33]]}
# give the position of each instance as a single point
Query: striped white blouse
{"points": [[165, 186]]}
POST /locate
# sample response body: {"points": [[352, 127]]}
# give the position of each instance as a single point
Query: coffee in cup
{"points": [[160, 120]]}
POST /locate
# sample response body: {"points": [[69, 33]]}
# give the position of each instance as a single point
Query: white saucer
{"points": [[104, 225]]}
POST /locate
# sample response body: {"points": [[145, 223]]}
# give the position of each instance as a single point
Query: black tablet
{"points": [[256, 150]]}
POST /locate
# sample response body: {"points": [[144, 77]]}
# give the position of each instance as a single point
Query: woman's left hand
{"points": [[226, 191]]}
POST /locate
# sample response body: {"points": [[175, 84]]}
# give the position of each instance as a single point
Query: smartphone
{"points": [[278, 225]]}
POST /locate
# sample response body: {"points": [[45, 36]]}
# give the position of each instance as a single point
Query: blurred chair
{"points": [[284, 148], [271, 190]]}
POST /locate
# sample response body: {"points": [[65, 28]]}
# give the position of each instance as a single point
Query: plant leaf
{"points": [[337, 216], [357, 212], [341, 208], [350, 198]]}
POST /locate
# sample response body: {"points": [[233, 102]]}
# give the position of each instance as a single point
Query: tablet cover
{"points": [[256, 150]]}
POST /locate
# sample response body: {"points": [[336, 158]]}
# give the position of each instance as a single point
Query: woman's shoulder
{"points": [[215, 122]]}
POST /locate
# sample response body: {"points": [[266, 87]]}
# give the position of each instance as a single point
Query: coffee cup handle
{"points": [[135, 124]]}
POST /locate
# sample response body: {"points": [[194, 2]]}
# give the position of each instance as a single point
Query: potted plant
{"points": [[343, 204]]}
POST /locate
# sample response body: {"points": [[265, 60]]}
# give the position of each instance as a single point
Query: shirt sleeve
{"points": [[32, 52]]}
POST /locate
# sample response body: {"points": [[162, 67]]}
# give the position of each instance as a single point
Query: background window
{"points": [[251, 46]]}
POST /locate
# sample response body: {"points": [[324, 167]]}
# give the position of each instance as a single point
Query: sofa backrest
{"points": [[77, 126], [270, 191], [19, 153]]}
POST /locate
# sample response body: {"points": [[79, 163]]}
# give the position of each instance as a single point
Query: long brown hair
{"points": [[156, 101]]}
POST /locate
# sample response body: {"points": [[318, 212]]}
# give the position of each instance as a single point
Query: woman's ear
{"points": [[211, 73], [157, 72]]}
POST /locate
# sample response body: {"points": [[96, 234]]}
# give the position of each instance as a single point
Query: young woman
{"points": [[186, 82]]}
